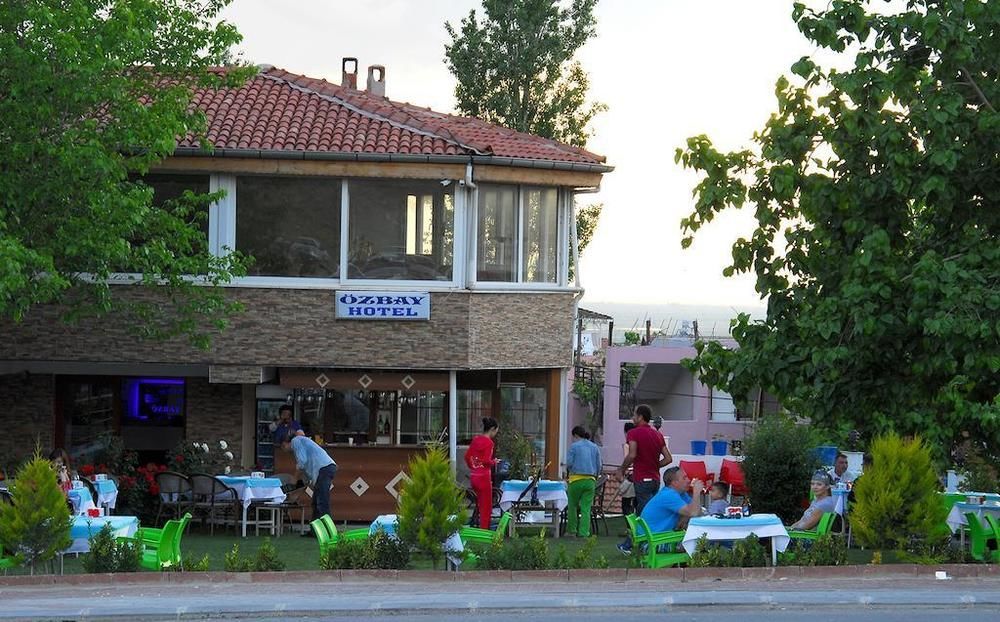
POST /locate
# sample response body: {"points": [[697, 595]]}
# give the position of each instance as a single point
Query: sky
{"points": [[667, 69]]}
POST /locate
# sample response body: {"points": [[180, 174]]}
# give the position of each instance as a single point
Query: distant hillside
{"points": [[669, 318]]}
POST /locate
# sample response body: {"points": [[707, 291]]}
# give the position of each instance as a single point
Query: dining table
{"points": [[107, 493], [389, 523], [85, 527], [728, 529], [550, 493], [81, 499], [249, 489]]}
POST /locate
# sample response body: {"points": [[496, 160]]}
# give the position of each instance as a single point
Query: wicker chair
{"points": [[212, 499], [175, 494]]}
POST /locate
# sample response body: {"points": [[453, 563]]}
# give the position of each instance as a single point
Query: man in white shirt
{"points": [[839, 472]]}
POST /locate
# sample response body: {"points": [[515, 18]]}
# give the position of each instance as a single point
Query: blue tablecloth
{"points": [[754, 520], [84, 527], [80, 498], [545, 485], [762, 525], [249, 482]]}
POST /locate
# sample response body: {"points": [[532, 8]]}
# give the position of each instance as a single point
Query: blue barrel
{"points": [[720, 448], [698, 448], [827, 454]]}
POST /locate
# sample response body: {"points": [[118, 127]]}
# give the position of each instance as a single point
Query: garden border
{"points": [[679, 575]]}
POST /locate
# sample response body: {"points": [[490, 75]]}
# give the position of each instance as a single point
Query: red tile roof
{"points": [[281, 111]]}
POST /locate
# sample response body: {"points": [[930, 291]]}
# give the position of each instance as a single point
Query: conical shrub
{"points": [[431, 505], [36, 526]]}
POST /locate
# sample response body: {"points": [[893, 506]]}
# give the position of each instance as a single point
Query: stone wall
{"points": [[214, 413], [298, 328], [26, 416]]}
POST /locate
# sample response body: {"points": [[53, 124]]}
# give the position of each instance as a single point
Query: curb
{"points": [[610, 575]]}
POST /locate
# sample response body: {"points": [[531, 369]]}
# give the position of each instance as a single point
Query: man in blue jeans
{"points": [[647, 454], [317, 469]]}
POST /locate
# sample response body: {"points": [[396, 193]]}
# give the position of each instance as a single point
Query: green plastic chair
{"points": [[654, 557], [6, 561], [361, 533], [322, 536], [982, 541], [486, 536], [822, 528], [161, 548]]}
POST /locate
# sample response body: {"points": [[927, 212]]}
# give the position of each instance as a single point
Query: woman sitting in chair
{"points": [[822, 503], [479, 458]]}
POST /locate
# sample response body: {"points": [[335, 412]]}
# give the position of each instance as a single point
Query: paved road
{"points": [[909, 601]]}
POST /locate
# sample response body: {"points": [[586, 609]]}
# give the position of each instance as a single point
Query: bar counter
{"points": [[368, 478]]}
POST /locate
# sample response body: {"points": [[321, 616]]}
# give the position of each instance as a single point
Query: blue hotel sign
{"points": [[383, 305]]}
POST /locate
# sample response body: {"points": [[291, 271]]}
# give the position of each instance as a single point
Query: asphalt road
{"points": [[842, 601]]}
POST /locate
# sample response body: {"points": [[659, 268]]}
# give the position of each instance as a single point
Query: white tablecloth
{"points": [[84, 527], [388, 523], [841, 497], [956, 518], [548, 490], [763, 525], [107, 493]]}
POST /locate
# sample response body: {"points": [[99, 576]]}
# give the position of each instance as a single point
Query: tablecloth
{"points": [[81, 500], [762, 525], [548, 490], [841, 497], [84, 527], [956, 518], [388, 523], [107, 493]]}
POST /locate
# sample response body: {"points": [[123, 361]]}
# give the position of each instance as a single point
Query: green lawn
{"points": [[300, 553]]}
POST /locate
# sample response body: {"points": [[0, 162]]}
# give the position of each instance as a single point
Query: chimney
{"points": [[376, 86], [349, 79]]}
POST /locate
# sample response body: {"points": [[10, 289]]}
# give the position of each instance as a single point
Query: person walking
{"points": [[316, 467], [645, 448], [583, 465], [479, 458]]}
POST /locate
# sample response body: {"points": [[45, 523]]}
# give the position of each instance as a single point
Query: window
{"points": [[541, 235], [291, 226], [497, 238], [172, 187], [401, 229], [519, 235], [473, 405], [723, 408], [524, 409]]}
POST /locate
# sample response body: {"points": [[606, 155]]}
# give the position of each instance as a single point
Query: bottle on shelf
{"points": [[746, 506]]}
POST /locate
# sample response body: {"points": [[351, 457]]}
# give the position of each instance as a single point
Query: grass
{"points": [[300, 553]]}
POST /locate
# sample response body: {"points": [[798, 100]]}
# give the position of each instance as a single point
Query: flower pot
{"points": [[698, 448], [719, 448]]}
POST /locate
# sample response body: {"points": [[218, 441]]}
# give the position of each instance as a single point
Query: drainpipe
{"points": [[472, 214]]}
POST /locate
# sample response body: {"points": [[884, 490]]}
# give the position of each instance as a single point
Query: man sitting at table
{"points": [[823, 502], [317, 469], [672, 506], [839, 473]]}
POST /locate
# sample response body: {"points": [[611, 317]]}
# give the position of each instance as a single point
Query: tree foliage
{"points": [[95, 92], [875, 190], [36, 525], [777, 465], [431, 506], [515, 67]]}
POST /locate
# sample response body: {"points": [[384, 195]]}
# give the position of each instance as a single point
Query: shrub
{"points": [[236, 562], [379, 552], [777, 465], [266, 558], [431, 506], [107, 554], [710, 555], [745, 553], [36, 526], [897, 505], [190, 564], [517, 554], [582, 558], [749, 552], [827, 550]]}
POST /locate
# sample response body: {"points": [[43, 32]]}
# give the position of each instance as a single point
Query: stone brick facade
{"points": [[298, 328], [214, 413], [26, 417]]}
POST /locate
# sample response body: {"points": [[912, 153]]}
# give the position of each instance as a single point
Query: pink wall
{"points": [[681, 433]]}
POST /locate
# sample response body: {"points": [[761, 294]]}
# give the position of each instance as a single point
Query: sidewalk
{"points": [[308, 594]]}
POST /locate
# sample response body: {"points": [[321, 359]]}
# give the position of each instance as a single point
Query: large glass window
{"points": [[541, 235], [291, 226], [497, 238], [524, 409], [401, 229], [473, 405], [168, 187]]}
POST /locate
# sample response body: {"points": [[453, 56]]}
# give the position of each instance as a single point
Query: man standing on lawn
{"points": [[317, 469], [647, 453]]}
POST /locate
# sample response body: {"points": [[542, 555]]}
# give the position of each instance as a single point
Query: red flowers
{"points": [[87, 469]]}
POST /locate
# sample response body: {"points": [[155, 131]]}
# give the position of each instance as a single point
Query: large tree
{"points": [[92, 94], [515, 68], [876, 191]]}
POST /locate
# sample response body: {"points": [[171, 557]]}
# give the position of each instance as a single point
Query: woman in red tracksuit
{"points": [[479, 458]]}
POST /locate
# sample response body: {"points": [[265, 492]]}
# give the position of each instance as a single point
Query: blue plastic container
{"points": [[720, 448], [827, 454], [698, 448]]}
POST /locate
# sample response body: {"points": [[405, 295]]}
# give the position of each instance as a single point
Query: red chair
{"points": [[698, 470], [731, 472]]}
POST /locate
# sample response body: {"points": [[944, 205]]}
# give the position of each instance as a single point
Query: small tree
{"points": [[36, 526], [431, 506], [777, 465], [897, 504]]}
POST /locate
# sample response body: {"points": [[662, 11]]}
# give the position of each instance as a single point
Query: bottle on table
{"points": [[746, 506]]}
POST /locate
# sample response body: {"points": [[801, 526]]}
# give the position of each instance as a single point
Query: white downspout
{"points": [[453, 421]]}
